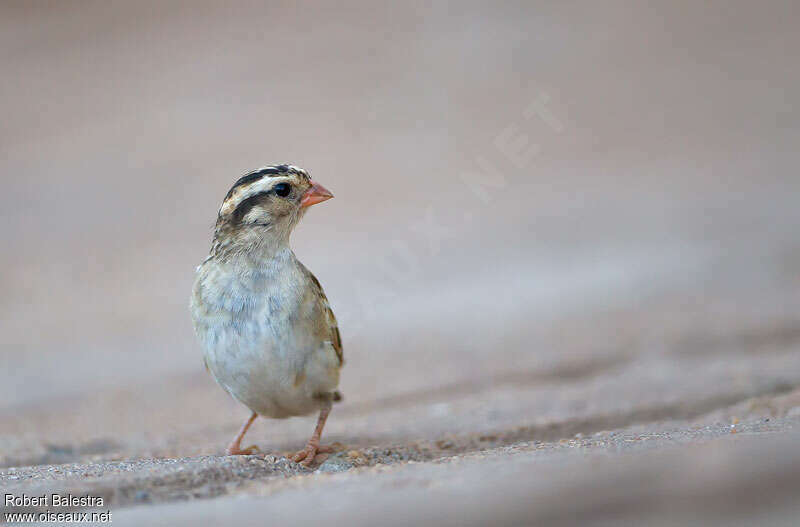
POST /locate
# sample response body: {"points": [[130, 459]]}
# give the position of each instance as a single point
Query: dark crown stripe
{"points": [[256, 175]]}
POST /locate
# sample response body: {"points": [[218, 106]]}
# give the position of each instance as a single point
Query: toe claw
{"points": [[306, 456], [236, 451]]}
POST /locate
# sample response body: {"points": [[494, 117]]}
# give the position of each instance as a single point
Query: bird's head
{"points": [[264, 205]]}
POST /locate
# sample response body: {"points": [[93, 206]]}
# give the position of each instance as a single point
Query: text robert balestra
{"points": [[52, 500]]}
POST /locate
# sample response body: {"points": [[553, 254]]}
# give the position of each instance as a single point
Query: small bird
{"points": [[269, 335]]}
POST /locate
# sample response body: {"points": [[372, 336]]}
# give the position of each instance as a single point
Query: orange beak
{"points": [[316, 194]]}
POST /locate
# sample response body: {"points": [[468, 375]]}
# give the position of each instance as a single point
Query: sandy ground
{"points": [[563, 253]]}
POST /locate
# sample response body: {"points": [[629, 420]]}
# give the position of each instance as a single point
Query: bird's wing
{"points": [[330, 319]]}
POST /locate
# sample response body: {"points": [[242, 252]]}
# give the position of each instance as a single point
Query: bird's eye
{"points": [[282, 189]]}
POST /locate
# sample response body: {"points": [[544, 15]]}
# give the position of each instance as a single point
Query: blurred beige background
{"points": [[522, 190]]}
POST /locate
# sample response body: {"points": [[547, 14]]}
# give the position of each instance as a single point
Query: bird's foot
{"points": [[236, 450], [306, 456]]}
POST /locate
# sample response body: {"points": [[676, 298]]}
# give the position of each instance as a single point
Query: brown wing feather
{"points": [[333, 326], [336, 338]]}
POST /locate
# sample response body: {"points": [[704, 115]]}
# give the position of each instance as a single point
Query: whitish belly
{"points": [[275, 375]]}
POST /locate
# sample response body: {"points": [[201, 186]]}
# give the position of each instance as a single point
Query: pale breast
{"points": [[257, 330]]}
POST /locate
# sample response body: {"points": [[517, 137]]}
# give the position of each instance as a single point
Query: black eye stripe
{"points": [[246, 205]]}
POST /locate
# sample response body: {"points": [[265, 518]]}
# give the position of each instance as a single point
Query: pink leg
{"points": [[306, 456], [235, 448]]}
